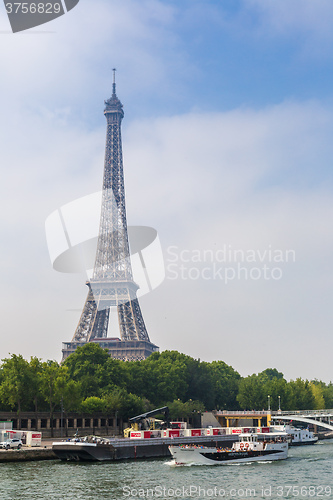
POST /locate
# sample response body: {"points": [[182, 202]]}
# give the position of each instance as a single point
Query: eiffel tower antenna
{"points": [[114, 82]]}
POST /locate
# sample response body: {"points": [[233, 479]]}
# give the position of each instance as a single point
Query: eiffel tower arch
{"points": [[112, 286]]}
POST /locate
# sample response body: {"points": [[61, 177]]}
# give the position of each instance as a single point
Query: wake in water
{"points": [[172, 463]]}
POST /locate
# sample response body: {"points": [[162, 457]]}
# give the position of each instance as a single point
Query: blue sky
{"points": [[227, 141]]}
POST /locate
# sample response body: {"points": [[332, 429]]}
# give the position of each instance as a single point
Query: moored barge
{"points": [[102, 449]]}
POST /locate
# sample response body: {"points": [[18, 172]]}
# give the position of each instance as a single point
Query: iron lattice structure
{"points": [[112, 282]]}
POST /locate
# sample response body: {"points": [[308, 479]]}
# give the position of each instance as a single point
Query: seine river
{"points": [[307, 473]]}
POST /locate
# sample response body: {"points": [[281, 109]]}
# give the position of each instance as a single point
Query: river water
{"points": [[307, 473]]}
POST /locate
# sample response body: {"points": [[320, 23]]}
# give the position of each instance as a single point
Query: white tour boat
{"points": [[297, 436], [249, 448]]}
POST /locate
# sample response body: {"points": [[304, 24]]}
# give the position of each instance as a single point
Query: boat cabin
{"points": [[260, 442]]}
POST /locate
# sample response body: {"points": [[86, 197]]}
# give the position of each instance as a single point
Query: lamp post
{"points": [[279, 403], [269, 403]]}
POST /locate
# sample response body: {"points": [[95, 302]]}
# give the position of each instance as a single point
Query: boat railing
{"points": [[241, 412], [122, 442], [314, 413]]}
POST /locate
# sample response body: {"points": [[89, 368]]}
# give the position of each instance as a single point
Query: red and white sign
{"points": [[195, 432], [171, 433], [136, 435], [263, 429]]}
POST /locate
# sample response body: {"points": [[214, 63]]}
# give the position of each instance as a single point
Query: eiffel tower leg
{"points": [[87, 320], [101, 324], [132, 326], [140, 324]]}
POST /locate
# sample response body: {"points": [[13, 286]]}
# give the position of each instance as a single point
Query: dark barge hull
{"points": [[122, 449]]}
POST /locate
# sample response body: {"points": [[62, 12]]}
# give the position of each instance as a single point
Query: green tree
{"points": [[178, 410], [67, 394], [36, 369], [15, 388], [255, 389], [93, 404], [116, 374], [200, 382], [272, 373], [302, 397], [124, 404], [88, 365], [275, 388], [328, 394], [159, 378], [225, 382], [4, 405], [318, 395], [50, 387], [68, 390], [253, 392], [190, 409]]}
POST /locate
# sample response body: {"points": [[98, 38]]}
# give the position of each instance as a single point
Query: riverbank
{"points": [[28, 454]]}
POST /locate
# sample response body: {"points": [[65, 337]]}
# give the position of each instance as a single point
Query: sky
{"points": [[227, 141]]}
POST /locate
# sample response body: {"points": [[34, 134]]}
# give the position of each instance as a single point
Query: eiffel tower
{"points": [[112, 285]]}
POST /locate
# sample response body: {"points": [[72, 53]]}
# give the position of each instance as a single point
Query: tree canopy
{"points": [[90, 381]]}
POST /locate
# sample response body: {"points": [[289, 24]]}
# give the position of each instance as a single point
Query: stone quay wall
{"points": [[65, 424]]}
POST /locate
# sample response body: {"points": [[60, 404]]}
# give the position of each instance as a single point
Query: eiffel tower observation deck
{"points": [[112, 287]]}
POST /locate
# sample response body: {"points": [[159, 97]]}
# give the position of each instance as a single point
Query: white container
{"points": [[34, 438]]}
